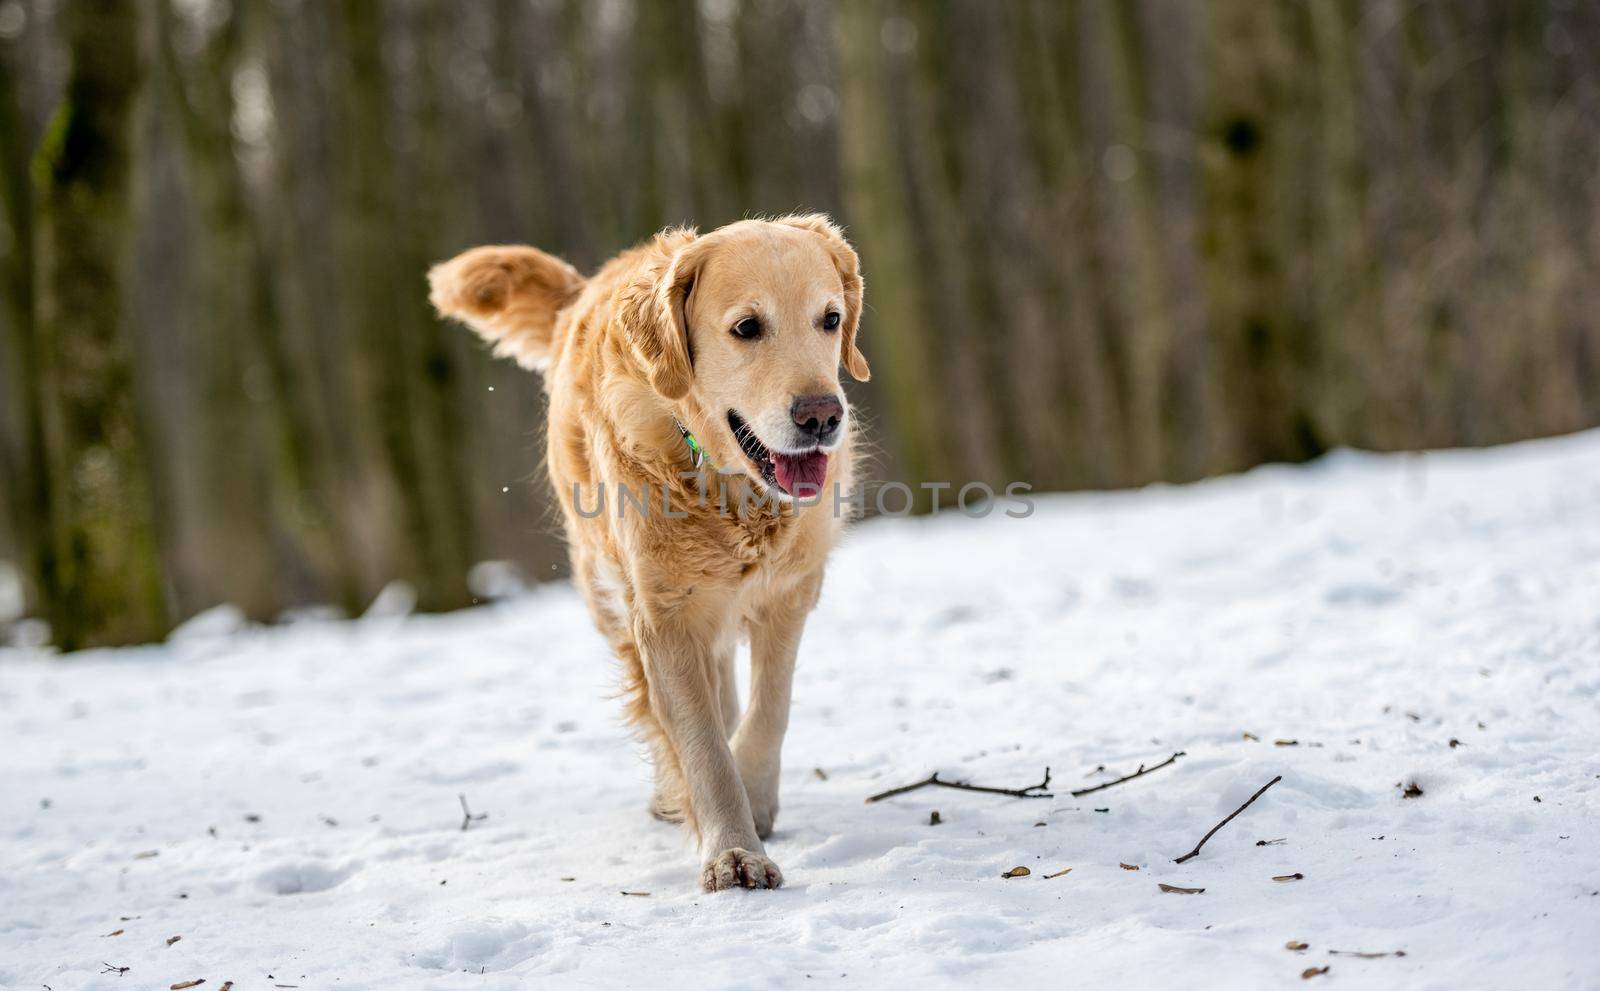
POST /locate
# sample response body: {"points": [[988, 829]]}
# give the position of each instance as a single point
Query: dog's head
{"points": [[747, 326]]}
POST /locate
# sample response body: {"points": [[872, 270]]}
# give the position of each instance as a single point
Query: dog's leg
{"points": [[670, 797], [758, 743], [684, 702], [728, 690]]}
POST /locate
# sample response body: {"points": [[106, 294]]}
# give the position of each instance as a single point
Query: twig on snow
{"points": [[467, 816], [1031, 791], [1366, 956], [1129, 777], [1196, 851]]}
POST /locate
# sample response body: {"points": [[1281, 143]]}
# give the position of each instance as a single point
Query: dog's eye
{"points": [[747, 329], [831, 321]]}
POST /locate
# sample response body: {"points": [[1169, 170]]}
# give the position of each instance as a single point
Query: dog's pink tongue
{"points": [[801, 474]]}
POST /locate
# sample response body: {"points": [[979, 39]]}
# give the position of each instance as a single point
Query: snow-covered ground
{"points": [[285, 800]]}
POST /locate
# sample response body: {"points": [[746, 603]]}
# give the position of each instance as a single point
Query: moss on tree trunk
{"points": [[101, 583]]}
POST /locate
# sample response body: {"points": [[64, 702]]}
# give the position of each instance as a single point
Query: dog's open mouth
{"points": [[800, 474]]}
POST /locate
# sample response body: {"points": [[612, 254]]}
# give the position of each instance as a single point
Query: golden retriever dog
{"points": [[694, 398]]}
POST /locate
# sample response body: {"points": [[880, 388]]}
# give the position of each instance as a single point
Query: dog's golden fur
{"points": [[644, 342]]}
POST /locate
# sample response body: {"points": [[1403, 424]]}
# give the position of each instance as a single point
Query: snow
{"points": [[285, 799]]}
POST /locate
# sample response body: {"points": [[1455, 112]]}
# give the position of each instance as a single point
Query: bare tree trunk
{"points": [[930, 98], [434, 378], [1085, 406], [331, 498], [1344, 285], [404, 374], [891, 329], [1127, 183], [101, 583], [24, 488], [238, 564], [1248, 154]]}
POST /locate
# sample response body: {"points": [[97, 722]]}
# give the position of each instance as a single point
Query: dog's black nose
{"points": [[817, 416]]}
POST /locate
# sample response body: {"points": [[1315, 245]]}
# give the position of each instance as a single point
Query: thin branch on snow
{"points": [[1196, 851], [1031, 791], [1129, 777], [1366, 956], [467, 816]]}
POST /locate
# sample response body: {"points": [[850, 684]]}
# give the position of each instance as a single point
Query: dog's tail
{"points": [[509, 294]]}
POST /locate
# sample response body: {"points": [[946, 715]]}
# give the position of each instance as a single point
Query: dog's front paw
{"points": [[738, 868]]}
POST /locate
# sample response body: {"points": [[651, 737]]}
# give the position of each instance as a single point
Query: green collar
{"points": [[697, 453]]}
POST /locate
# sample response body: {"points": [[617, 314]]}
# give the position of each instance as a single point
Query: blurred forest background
{"points": [[1105, 244]]}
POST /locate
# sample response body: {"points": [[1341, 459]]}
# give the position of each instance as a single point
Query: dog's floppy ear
{"points": [[849, 265], [651, 310], [509, 295]]}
